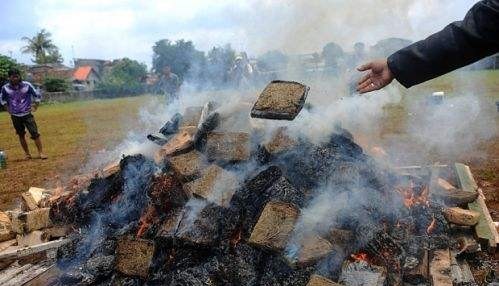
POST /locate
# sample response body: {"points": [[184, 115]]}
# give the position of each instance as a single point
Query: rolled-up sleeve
{"points": [[457, 45]]}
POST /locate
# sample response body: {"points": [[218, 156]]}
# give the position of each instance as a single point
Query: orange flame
{"points": [[361, 256], [411, 199], [146, 220], [431, 226]]}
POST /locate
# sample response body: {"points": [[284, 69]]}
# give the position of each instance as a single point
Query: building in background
{"points": [[37, 74], [99, 66], [85, 78]]}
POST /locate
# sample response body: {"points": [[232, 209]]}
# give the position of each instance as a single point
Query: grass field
{"points": [[71, 132]]}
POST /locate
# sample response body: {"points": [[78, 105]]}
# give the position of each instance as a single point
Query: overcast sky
{"points": [[108, 29]]}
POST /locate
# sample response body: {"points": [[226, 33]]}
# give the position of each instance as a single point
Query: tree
{"points": [[54, 84], [42, 48], [332, 53], [6, 63], [218, 63], [272, 61], [125, 77], [181, 56]]}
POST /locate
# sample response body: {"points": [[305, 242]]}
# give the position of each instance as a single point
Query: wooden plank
{"points": [[27, 251], [440, 268], [11, 272], [27, 275], [46, 278], [420, 273], [484, 230]]}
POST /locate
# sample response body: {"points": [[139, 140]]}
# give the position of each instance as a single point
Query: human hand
{"points": [[34, 107], [378, 76]]}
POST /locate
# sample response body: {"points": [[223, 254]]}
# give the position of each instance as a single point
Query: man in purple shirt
{"points": [[21, 98]]}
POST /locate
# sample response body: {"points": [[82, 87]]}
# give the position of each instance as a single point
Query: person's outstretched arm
{"points": [[457, 45]]}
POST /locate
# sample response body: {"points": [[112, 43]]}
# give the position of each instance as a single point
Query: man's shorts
{"points": [[21, 123]]}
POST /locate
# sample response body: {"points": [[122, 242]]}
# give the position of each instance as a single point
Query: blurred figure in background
{"points": [[21, 98], [169, 83], [458, 44], [241, 72]]}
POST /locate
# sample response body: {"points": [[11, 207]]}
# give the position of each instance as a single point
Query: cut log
{"points": [[279, 142], [444, 185], [215, 185], [179, 143], [227, 147], [456, 197], [309, 250], [32, 250], [274, 226], [440, 271], [6, 232], [484, 229], [280, 100], [461, 216], [47, 277], [188, 166], [29, 221], [318, 280], [134, 256], [419, 274], [158, 138], [171, 127], [33, 238]]}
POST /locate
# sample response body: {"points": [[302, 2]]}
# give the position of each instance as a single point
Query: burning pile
{"points": [[230, 208]]}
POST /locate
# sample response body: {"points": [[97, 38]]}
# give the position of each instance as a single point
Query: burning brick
{"points": [[30, 221], [188, 165], [282, 190], [180, 142], [280, 100], [215, 184], [191, 117], [279, 142], [228, 146], [309, 250], [275, 225], [362, 273], [167, 192], [200, 223], [134, 256], [317, 280]]}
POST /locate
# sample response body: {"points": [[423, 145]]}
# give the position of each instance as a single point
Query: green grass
{"points": [[70, 132]]}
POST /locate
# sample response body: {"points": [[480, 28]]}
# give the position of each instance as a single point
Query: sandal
{"points": [[27, 156]]}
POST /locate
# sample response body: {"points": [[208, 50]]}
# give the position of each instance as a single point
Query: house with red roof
{"points": [[85, 78]]}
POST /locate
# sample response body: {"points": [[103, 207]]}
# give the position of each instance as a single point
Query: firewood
{"points": [[280, 100], [32, 250], [48, 277], [310, 250], [32, 238], [215, 185], [191, 116], [456, 197], [444, 185], [187, 166], [274, 226], [419, 274], [6, 232], [29, 221], [111, 169], [134, 256], [362, 273], [440, 268], [318, 280], [200, 224], [179, 143], [33, 197], [279, 142], [227, 147], [461, 216], [484, 229]]}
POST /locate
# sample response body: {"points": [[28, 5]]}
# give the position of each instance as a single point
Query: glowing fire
{"points": [[146, 220], [361, 256], [411, 199], [431, 226], [236, 237]]}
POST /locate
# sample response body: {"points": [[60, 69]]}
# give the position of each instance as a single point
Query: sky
{"points": [[109, 29]]}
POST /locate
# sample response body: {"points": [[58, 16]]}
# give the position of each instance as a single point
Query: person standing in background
{"points": [[169, 83]]}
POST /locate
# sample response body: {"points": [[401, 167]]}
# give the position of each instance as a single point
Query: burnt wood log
{"points": [[455, 197], [461, 216], [200, 224], [181, 142], [274, 226], [419, 274]]}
